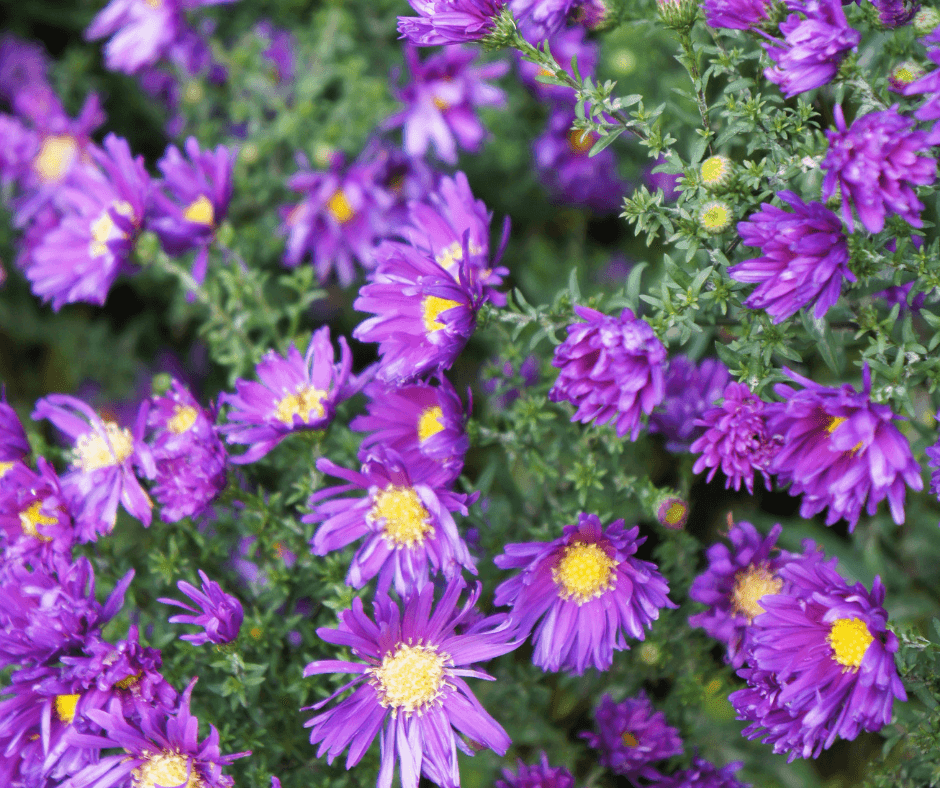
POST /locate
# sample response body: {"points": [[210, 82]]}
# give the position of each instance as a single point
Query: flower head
{"points": [[449, 21], [691, 389], [219, 613], [715, 216], [34, 512], [716, 172], [585, 590], [804, 258], [536, 775], [840, 450], [295, 393], [704, 774], [610, 368], [410, 689], [735, 14]]}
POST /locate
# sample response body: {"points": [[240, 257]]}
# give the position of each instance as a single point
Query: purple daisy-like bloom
{"points": [[895, 13], [610, 367], [404, 518], [536, 775], [704, 774], [449, 21], [736, 581], [735, 14], [421, 422], [34, 512], [441, 101], [541, 19], [161, 750], [585, 590], [840, 450], [570, 175], [295, 393], [343, 214], [22, 63], [736, 439], [220, 614], [812, 48], [875, 164], [200, 189], [631, 737], [410, 687], [567, 44], [691, 389], [102, 473], [423, 314], [804, 258], [189, 456], [821, 661]]}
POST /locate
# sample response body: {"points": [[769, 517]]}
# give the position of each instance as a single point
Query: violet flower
{"points": [[34, 512], [536, 775], [449, 21], [220, 614], [691, 389], [704, 774], [735, 14]]}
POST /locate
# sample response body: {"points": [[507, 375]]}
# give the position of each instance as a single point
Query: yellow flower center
{"points": [[165, 770], [584, 572], [306, 403], [629, 740], [442, 105], [580, 141], [55, 157], [406, 522], [410, 678], [65, 707], [432, 306], [849, 638], [430, 422], [94, 451], [750, 586], [834, 422], [714, 169], [200, 211], [154, 3], [129, 681], [32, 517], [103, 229], [449, 256], [4, 467], [184, 416], [339, 207]]}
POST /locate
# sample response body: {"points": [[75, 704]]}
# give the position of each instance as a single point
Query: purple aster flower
{"points": [[102, 473], [189, 456], [405, 518], [631, 737], [449, 21], [736, 439], [102, 213], [895, 13], [735, 14], [423, 315], [610, 368], [900, 295], [295, 393], [821, 662], [200, 189], [421, 422], [343, 214], [220, 614], [704, 774], [161, 749], [537, 775], [875, 164], [567, 44], [34, 512], [570, 175], [280, 50], [590, 590], [22, 63], [736, 581], [441, 101], [407, 179], [690, 390], [410, 689], [542, 19], [839, 450], [804, 258], [812, 48]]}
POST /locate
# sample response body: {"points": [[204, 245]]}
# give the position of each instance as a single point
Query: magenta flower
{"points": [[585, 590], [14, 445], [840, 451], [220, 614], [704, 774], [690, 390], [735, 14], [409, 687], [34, 512], [295, 393], [610, 368], [875, 165], [542, 19], [449, 21], [631, 737], [536, 775]]}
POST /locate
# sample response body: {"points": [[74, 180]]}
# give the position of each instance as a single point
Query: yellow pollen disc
{"points": [[629, 739], [442, 105], [675, 513], [200, 211], [93, 451], [130, 681], [714, 168], [65, 707], [165, 770], [339, 207], [410, 678], [255, 632], [154, 3], [407, 522], [184, 416], [103, 229], [430, 422], [32, 517], [4, 467], [750, 586], [450, 256], [55, 157], [849, 638], [432, 306], [584, 572], [581, 141], [306, 403]]}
